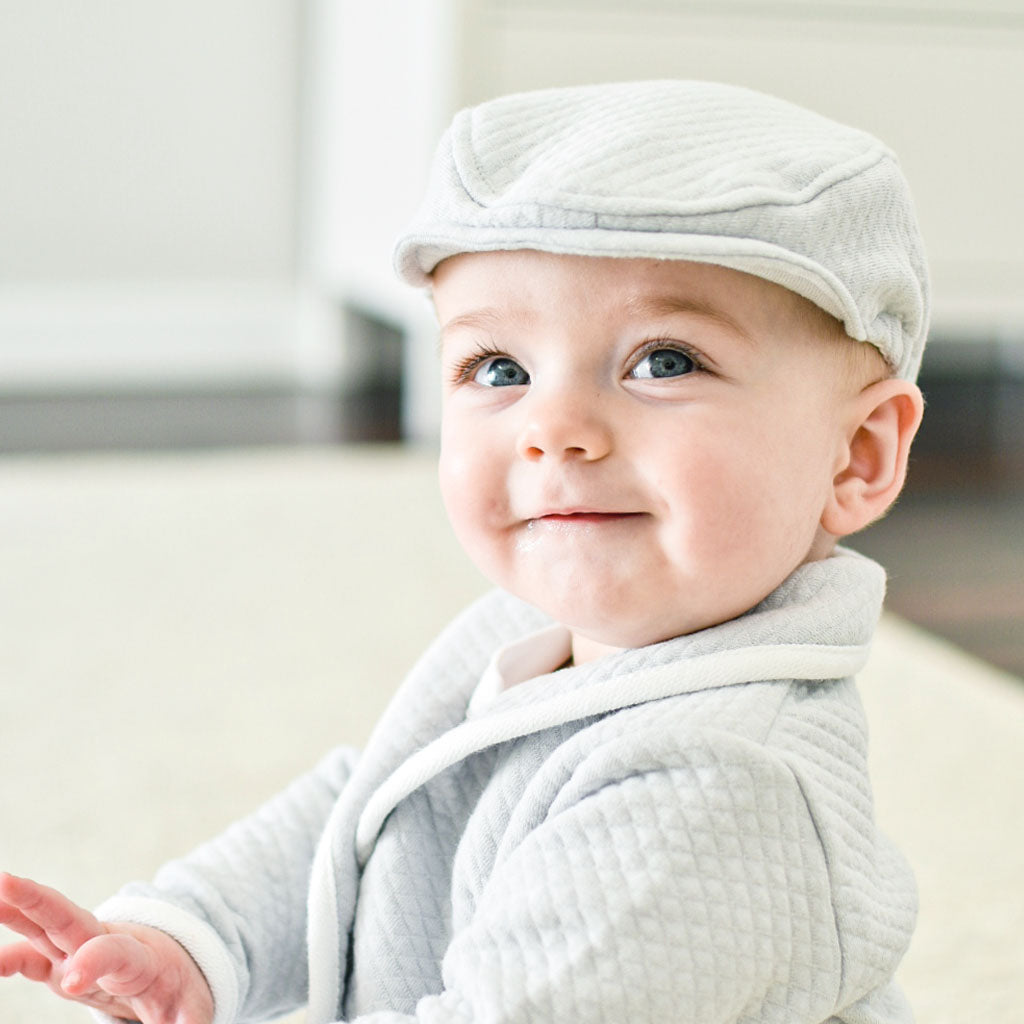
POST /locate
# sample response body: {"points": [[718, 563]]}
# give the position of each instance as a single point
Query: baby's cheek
{"points": [[473, 509], [455, 477]]}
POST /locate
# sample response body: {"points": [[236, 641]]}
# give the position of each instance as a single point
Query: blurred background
{"points": [[221, 543], [198, 199]]}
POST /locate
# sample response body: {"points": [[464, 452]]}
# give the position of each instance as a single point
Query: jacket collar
{"points": [[816, 626]]}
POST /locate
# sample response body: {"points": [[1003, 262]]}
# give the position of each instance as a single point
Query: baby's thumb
{"points": [[116, 964]]}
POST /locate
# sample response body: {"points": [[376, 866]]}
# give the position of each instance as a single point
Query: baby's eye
{"points": [[663, 362], [500, 372]]}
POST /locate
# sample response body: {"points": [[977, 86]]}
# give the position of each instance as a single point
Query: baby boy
{"points": [[680, 325]]}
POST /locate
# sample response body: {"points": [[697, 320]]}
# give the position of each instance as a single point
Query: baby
{"points": [[680, 325]]}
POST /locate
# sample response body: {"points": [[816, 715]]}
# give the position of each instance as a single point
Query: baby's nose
{"points": [[565, 426]]}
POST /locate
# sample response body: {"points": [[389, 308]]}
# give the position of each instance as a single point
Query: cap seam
{"points": [[584, 202]]}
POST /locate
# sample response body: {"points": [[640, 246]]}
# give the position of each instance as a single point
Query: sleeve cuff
{"points": [[200, 941]]}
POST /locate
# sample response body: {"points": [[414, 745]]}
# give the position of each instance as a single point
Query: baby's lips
{"points": [[582, 516]]}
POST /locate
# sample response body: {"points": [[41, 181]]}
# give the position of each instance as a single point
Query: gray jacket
{"points": [[679, 834]]}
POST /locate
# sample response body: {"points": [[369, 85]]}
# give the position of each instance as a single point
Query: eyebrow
{"points": [[670, 305], [485, 318], [489, 317]]}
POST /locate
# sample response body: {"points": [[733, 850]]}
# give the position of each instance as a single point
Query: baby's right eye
{"points": [[500, 372]]}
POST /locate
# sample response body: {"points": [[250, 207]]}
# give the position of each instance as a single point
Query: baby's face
{"points": [[640, 448]]}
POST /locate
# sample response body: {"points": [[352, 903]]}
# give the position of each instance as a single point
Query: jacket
{"points": [[678, 833]]}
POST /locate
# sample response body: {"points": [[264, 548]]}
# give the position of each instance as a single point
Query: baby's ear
{"points": [[872, 466]]}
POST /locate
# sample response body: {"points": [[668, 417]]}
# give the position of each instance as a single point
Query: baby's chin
{"points": [[610, 612], [611, 634], [595, 639]]}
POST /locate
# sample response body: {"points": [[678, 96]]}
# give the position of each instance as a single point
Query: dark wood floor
{"points": [[954, 543], [955, 556]]}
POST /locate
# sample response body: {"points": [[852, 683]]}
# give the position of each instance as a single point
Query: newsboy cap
{"points": [[685, 170]]}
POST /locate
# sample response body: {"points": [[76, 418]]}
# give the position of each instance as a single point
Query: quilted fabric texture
{"points": [[702, 855], [685, 170]]}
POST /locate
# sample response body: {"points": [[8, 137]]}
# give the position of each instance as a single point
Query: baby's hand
{"points": [[125, 970]]}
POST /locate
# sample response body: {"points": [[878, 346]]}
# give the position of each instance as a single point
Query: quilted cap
{"points": [[691, 171]]}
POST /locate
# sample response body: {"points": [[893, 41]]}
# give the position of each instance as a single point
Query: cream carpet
{"points": [[182, 634]]}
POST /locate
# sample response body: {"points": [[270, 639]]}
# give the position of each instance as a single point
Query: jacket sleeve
{"points": [[238, 902], [671, 888]]}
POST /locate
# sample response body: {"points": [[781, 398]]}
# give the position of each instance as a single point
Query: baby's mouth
{"points": [[583, 517]]}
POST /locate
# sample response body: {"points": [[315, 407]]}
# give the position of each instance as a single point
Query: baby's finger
{"points": [[13, 918], [22, 958], [117, 964], [66, 925]]}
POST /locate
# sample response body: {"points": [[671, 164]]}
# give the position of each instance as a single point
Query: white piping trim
{"points": [[322, 929], [724, 668]]}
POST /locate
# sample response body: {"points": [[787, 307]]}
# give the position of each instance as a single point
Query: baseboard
{"points": [[124, 335], [180, 365]]}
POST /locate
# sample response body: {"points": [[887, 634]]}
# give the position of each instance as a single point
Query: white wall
{"points": [[148, 190], [146, 139]]}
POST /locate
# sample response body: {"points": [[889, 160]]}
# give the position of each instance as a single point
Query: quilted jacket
{"points": [[679, 834]]}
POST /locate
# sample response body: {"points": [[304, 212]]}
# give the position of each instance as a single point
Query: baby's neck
{"points": [[584, 649]]}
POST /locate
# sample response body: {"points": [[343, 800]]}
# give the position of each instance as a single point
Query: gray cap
{"points": [[688, 171]]}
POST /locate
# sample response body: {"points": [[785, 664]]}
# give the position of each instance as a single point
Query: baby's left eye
{"points": [[500, 372], [663, 362]]}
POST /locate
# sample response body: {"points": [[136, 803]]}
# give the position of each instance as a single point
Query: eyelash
{"points": [[656, 344], [464, 369]]}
